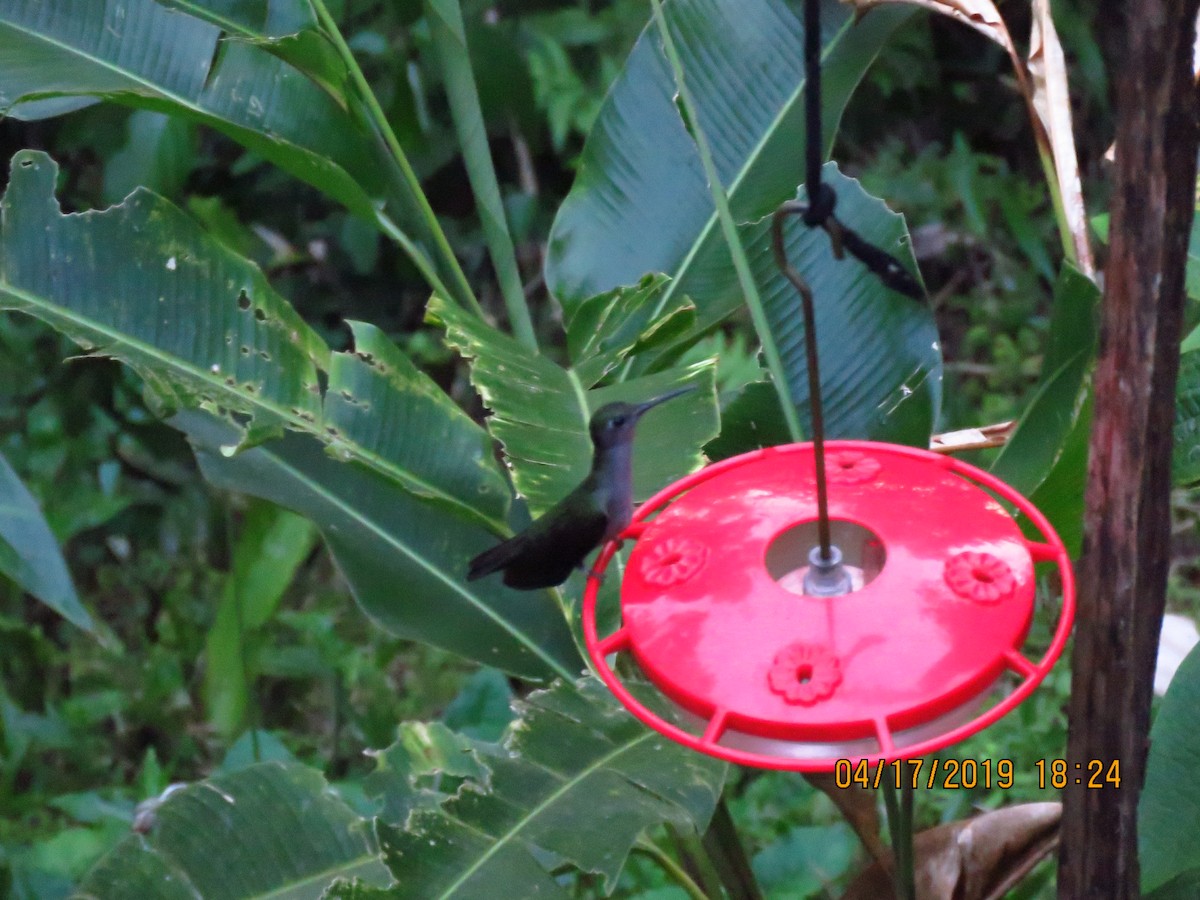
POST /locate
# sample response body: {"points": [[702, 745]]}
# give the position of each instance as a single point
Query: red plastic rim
{"points": [[896, 669]]}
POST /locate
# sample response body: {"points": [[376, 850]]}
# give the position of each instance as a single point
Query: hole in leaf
{"points": [[243, 301], [260, 314]]}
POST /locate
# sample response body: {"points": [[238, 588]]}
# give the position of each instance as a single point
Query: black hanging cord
{"points": [[822, 199], [814, 139]]}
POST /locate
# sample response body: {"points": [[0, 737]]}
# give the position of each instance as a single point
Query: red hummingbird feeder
{"points": [[716, 615], [816, 602]]}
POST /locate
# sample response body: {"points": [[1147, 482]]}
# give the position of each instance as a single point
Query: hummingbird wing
{"points": [[544, 554], [562, 546]]}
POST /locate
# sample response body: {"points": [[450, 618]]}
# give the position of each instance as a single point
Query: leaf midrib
{"points": [[409, 481], [567, 784], [154, 90], [677, 276], [455, 585]]}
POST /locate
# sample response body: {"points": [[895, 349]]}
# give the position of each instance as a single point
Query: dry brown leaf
{"points": [[1043, 84], [1052, 102], [1196, 51], [975, 859], [973, 438], [981, 15]]}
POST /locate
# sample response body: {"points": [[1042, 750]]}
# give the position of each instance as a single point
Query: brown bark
{"points": [[1123, 570]]}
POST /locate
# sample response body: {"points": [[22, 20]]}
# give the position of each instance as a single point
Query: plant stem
{"points": [[905, 867], [724, 847], [1050, 170], [899, 821], [389, 227], [450, 41], [729, 229], [672, 868], [463, 295]]}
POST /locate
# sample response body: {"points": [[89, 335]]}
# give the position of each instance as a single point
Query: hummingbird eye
{"points": [[616, 422]]}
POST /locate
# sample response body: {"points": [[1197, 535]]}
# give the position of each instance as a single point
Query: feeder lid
{"points": [[714, 614]]}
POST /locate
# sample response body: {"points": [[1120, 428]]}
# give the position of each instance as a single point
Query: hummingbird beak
{"points": [[670, 395]]}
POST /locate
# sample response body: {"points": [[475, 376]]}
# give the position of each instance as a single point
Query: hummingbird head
{"points": [[613, 423]]}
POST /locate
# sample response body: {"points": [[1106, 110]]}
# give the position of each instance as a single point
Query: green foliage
{"points": [[983, 233], [800, 864], [270, 549], [641, 160], [312, 837], [518, 812], [1046, 456], [1185, 467], [531, 396], [510, 808], [573, 58], [1169, 811], [242, 90], [29, 553], [404, 558]]}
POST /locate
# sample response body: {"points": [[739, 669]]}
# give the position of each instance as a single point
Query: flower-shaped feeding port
{"points": [[805, 673], [981, 577], [763, 673], [851, 467], [673, 561]]}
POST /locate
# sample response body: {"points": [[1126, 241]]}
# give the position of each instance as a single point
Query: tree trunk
{"points": [[1123, 571]]}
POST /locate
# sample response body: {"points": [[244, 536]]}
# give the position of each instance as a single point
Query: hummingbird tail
{"points": [[495, 559]]}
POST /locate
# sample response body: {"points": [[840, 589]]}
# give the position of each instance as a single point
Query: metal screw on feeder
{"points": [[916, 600]]}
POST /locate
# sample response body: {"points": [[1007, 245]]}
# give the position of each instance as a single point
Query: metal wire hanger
{"points": [[826, 576]]}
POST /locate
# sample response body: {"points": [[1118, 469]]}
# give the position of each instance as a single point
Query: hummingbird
{"points": [[599, 509]]}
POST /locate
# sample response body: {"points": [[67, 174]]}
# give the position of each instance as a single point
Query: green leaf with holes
{"points": [[401, 482], [139, 53], [605, 329], [572, 748], [403, 556], [285, 28], [270, 830], [141, 282], [641, 204], [540, 412]]}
